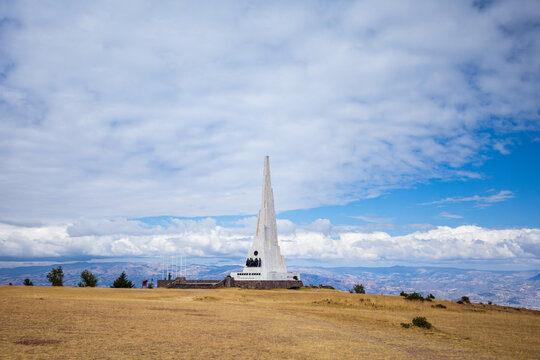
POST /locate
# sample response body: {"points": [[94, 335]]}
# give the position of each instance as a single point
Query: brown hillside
{"points": [[45, 322]]}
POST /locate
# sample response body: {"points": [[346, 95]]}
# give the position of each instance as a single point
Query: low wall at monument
{"points": [[182, 283], [267, 284]]}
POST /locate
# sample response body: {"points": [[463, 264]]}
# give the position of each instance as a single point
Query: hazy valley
{"points": [[511, 288]]}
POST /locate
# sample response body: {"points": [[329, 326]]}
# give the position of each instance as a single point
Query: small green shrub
{"points": [[421, 322], [415, 296], [464, 300], [406, 325], [27, 282], [430, 296], [359, 289], [403, 293], [440, 306]]}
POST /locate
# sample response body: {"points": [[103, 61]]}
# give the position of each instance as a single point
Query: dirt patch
{"points": [[37, 342], [205, 298], [185, 311], [174, 310]]}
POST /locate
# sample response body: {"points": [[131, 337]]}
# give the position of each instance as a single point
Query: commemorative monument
{"points": [[265, 267]]}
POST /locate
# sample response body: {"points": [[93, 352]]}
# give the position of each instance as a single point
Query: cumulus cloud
{"points": [[131, 109], [318, 240], [481, 201]]}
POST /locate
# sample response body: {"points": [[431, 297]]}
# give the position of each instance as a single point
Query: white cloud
{"points": [[372, 219], [130, 109], [502, 195], [450, 215], [318, 240]]}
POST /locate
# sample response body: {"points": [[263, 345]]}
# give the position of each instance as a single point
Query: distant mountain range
{"points": [[537, 277], [513, 288]]}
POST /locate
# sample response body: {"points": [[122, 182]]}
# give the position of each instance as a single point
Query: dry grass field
{"points": [[86, 323]]}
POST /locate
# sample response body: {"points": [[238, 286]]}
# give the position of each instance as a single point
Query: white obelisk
{"points": [[264, 260]]}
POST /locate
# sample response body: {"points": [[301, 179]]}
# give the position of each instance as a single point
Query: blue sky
{"points": [[397, 131], [517, 173]]}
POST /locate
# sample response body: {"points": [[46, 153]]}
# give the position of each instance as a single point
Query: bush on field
{"points": [[421, 322], [440, 306], [464, 300], [358, 289], [27, 282], [418, 321], [414, 296]]}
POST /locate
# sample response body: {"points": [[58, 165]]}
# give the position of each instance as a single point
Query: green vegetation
{"points": [[440, 306], [421, 322], [88, 279], [123, 282], [414, 296], [358, 289], [418, 321], [464, 300], [56, 276], [27, 282]]}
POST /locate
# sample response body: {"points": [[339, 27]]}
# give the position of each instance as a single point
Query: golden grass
{"points": [[69, 323]]}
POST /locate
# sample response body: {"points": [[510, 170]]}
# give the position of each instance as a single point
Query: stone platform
{"points": [[267, 284], [183, 283]]}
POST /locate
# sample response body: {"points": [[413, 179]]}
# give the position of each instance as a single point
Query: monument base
{"points": [[183, 283], [265, 284]]}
